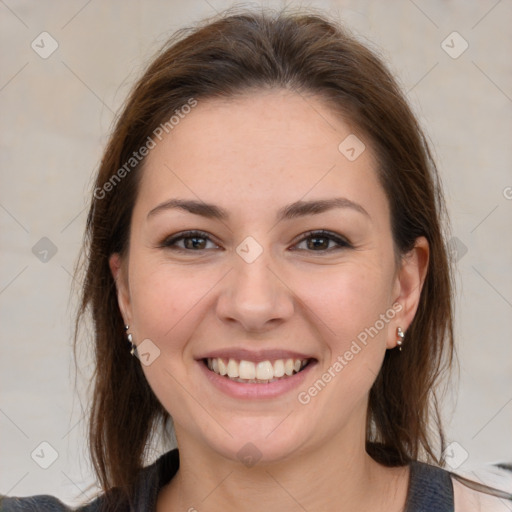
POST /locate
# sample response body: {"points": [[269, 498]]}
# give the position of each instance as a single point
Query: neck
{"points": [[336, 476]]}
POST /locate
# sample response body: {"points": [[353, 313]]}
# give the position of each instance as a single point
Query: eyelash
{"points": [[169, 243]]}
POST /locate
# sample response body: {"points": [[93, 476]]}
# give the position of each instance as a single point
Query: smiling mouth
{"points": [[262, 372]]}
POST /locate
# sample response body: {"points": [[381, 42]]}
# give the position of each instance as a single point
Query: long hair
{"points": [[233, 54]]}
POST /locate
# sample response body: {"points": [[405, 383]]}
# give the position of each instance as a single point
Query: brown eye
{"points": [[319, 241], [192, 241]]}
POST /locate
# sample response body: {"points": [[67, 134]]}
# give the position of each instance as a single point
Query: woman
{"points": [[265, 265]]}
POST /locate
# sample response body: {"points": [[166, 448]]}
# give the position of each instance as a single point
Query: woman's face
{"points": [[256, 289]]}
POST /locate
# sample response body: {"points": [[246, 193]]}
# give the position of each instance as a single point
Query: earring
{"points": [[130, 340], [400, 339]]}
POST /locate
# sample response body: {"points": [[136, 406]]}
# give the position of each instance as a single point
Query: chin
{"points": [[260, 442]]}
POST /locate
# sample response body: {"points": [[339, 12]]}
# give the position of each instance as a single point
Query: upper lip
{"points": [[256, 356]]}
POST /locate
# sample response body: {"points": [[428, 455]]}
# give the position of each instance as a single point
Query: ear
{"points": [[123, 292], [408, 285]]}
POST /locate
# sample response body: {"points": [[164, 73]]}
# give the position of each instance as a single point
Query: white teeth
{"points": [[247, 370], [278, 368], [232, 368], [250, 372], [223, 369], [264, 370]]}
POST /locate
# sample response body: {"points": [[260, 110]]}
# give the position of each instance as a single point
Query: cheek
{"points": [[341, 301], [155, 307], [168, 302], [347, 300], [354, 305], [355, 312], [347, 306], [167, 305]]}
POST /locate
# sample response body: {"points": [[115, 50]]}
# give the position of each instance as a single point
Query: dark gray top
{"points": [[430, 489]]}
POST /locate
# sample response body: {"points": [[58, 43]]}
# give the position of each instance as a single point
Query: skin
{"points": [[252, 155]]}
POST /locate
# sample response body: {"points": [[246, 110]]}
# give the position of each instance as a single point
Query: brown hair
{"points": [[230, 55]]}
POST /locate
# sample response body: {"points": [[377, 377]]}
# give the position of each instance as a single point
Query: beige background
{"points": [[55, 116]]}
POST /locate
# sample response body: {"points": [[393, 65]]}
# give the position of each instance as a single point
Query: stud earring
{"points": [[400, 339], [129, 337]]}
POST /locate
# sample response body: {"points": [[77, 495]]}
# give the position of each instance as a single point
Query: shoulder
{"points": [[486, 489], [430, 488], [150, 480], [483, 489], [42, 503], [470, 500]]}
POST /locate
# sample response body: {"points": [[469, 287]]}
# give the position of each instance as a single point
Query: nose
{"points": [[255, 295]]}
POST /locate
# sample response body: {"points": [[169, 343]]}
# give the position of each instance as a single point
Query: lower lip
{"points": [[255, 391]]}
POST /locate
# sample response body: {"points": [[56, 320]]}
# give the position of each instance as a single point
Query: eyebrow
{"points": [[291, 211]]}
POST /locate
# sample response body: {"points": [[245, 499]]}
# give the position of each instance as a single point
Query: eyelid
{"points": [[341, 241], [191, 233]]}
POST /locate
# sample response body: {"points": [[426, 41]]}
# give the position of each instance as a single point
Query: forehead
{"points": [[271, 146]]}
